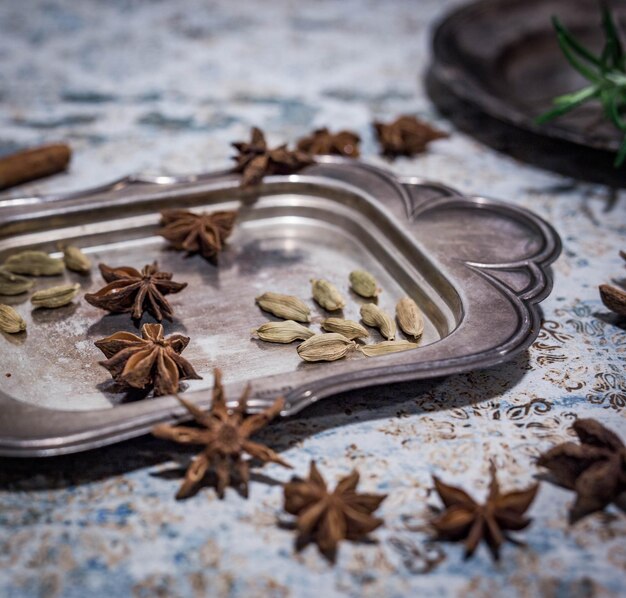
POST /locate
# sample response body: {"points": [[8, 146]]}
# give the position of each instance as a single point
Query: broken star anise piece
{"points": [[225, 436], [464, 519], [204, 233], [132, 291], [405, 136], [613, 297], [595, 469], [326, 517], [322, 141], [255, 160], [151, 361]]}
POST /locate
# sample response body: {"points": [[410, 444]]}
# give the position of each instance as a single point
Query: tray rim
{"points": [[526, 303]]}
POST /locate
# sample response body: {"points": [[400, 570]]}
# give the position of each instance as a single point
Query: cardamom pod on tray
{"points": [[76, 260], [35, 263], [364, 284], [387, 347], [284, 306], [13, 284], [10, 321], [327, 295], [410, 317], [372, 315], [348, 328], [282, 332], [325, 347], [55, 296]]}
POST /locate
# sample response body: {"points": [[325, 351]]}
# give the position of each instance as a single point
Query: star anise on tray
{"points": [[204, 233], [463, 519], [149, 361], [322, 141], [225, 437], [406, 136], [326, 517], [613, 297], [129, 290], [256, 160], [595, 469]]}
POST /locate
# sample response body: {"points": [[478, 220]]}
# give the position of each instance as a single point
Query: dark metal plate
{"points": [[501, 58]]}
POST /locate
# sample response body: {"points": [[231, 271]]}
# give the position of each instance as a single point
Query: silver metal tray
{"points": [[476, 266]]}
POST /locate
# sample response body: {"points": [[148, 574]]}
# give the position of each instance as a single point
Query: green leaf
{"points": [[613, 52], [581, 68], [621, 155], [574, 44], [616, 78], [613, 107], [568, 102], [612, 104]]}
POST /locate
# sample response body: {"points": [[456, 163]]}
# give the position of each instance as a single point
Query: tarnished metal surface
{"points": [[196, 75], [476, 267]]}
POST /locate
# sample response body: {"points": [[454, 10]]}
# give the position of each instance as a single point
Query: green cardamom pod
{"points": [[325, 347], [387, 347], [410, 317], [348, 328], [35, 263], [327, 295], [55, 296], [372, 315], [282, 332], [10, 321], [13, 284], [76, 260], [284, 306], [364, 284]]}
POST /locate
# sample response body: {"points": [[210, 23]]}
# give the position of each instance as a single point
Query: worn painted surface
{"points": [[164, 87]]}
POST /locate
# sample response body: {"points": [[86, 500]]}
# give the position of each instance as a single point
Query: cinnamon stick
{"points": [[33, 163]]}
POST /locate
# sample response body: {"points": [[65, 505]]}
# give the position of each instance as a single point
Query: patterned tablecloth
{"points": [[164, 87]]}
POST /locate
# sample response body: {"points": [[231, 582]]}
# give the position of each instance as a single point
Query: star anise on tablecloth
{"points": [[204, 233], [225, 436], [137, 292], [326, 517], [614, 297], [405, 136], [151, 361], [595, 469], [255, 159], [322, 141], [463, 519]]}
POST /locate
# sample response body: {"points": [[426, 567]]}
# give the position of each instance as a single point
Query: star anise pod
{"points": [[595, 469], [405, 136], [151, 361], [137, 292], [255, 160], [225, 436], [322, 141], [465, 519], [613, 297], [204, 233], [326, 517]]}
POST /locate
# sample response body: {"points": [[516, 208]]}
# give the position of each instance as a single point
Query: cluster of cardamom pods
{"points": [[340, 336], [14, 280]]}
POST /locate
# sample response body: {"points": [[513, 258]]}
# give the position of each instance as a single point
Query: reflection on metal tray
{"points": [[500, 59], [477, 268]]}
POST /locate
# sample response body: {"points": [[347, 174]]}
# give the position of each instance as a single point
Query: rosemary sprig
{"points": [[606, 74]]}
